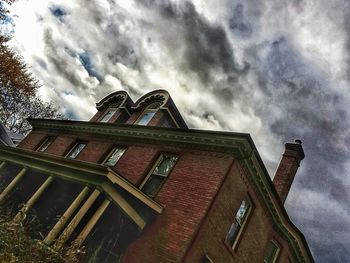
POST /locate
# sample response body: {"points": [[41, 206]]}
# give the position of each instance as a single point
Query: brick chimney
{"points": [[289, 164]]}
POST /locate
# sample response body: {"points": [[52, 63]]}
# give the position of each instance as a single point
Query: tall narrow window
{"points": [[114, 156], [271, 252], [157, 177], [45, 144], [77, 148], [148, 114], [146, 117], [238, 223], [108, 115]]}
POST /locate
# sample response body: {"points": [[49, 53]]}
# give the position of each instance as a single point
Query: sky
{"points": [[279, 70]]}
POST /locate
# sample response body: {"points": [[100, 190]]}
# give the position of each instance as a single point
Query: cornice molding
{"points": [[235, 143]]}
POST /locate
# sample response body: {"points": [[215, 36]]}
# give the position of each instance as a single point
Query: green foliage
{"points": [[16, 245]]}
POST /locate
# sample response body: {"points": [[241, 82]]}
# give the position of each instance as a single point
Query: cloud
{"points": [[276, 69]]}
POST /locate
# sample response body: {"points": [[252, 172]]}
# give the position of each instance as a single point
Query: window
{"points": [[114, 156], [108, 115], [146, 117], [148, 114], [162, 169], [45, 144], [239, 222], [77, 148], [271, 252]]}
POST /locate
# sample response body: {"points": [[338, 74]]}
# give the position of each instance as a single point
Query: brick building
{"points": [[134, 184]]}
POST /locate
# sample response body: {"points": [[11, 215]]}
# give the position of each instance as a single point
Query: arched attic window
{"points": [[148, 113], [109, 112]]}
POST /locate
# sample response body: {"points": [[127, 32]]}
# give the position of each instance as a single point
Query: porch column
{"points": [[13, 183], [2, 164], [92, 222], [22, 213], [76, 219], [66, 216]]}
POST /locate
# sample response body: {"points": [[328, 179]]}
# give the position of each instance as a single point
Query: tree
{"points": [[18, 88], [3, 10], [18, 105]]}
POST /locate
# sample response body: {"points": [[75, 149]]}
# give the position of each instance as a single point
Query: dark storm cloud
{"points": [[316, 114], [238, 23], [207, 47], [276, 69]]}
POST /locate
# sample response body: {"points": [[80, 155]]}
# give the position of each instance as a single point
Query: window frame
{"points": [[73, 147], [138, 120], [277, 253], [151, 172], [110, 153], [105, 113], [242, 227], [42, 143]]}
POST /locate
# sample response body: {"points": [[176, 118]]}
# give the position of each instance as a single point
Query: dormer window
{"points": [[147, 114], [108, 115]]}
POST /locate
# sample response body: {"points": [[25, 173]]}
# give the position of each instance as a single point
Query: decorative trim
{"points": [[236, 144], [158, 97], [116, 99]]}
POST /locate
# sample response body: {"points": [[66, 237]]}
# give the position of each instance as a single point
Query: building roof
{"points": [[240, 145]]}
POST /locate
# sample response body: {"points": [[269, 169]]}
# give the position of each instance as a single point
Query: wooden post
{"points": [[13, 183], [65, 217], [2, 164], [76, 219], [22, 213], [92, 222]]}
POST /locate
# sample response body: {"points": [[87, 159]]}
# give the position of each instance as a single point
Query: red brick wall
{"points": [[97, 115], [95, 150], [255, 236], [186, 195], [61, 145], [133, 117], [285, 175], [32, 140], [136, 162], [161, 119]]}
